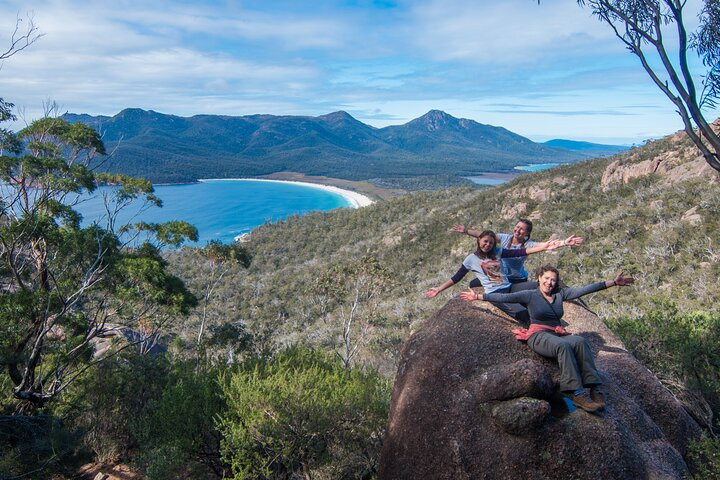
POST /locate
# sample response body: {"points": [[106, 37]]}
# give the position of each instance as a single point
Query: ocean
{"points": [[221, 209], [493, 179]]}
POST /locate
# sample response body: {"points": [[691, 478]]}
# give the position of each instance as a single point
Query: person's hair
{"points": [[548, 268], [528, 224], [488, 233]]}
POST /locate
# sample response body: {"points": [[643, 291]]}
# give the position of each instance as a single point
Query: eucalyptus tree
{"points": [[350, 295], [655, 31], [221, 258], [63, 283]]}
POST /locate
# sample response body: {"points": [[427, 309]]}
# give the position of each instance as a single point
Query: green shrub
{"points": [[681, 346], [112, 403], [704, 454], [32, 446], [181, 435], [301, 415]]}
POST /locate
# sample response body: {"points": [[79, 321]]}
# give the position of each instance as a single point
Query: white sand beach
{"points": [[355, 199]]}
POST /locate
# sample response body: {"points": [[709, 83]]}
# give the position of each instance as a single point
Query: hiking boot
{"points": [[583, 400], [597, 396]]}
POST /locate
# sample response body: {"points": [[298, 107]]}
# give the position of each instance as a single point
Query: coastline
{"points": [[355, 199]]}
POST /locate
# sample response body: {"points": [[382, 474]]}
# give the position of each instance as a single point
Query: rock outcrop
{"points": [[678, 162], [471, 402], [112, 334]]}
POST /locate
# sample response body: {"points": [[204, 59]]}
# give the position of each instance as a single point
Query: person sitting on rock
{"points": [[547, 336], [484, 264], [513, 267]]}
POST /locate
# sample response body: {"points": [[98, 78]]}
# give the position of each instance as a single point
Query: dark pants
{"points": [[574, 356], [515, 310]]}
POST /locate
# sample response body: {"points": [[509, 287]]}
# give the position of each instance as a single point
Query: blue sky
{"points": [[543, 71]]}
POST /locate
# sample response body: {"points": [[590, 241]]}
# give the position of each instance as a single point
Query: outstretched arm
{"points": [[571, 241], [544, 247], [462, 229], [620, 280], [432, 293], [522, 297]]}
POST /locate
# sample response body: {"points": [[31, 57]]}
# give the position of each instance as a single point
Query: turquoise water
{"points": [[537, 167], [223, 209], [487, 180]]}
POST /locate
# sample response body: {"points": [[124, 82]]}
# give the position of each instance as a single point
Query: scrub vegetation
{"points": [[274, 358]]}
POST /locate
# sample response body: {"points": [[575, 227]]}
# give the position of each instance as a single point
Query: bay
{"points": [[221, 209], [487, 180], [537, 167]]}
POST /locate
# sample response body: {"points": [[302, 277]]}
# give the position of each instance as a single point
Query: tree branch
{"points": [[20, 41]]}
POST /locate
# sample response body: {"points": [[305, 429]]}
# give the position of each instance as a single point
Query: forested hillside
{"points": [[167, 148], [657, 226], [321, 304], [649, 212]]}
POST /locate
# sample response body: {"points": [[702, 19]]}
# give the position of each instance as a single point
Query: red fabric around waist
{"points": [[524, 333]]}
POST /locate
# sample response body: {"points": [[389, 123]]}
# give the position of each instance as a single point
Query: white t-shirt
{"points": [[490, 284]]}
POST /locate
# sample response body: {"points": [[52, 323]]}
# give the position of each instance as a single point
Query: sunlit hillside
{"points": [[649, 212]]}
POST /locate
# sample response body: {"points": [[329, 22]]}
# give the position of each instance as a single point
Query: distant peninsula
{"points": [[435, 149]]}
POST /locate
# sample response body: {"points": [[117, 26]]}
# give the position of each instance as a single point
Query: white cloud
{"points": [[510, 31], [289, 57]]}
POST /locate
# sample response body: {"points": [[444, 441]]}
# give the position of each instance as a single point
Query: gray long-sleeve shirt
{"points": [[541, 310]]}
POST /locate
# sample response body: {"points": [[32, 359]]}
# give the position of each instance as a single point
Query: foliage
{"points": [[706, 41], [353, 290], [300, 415], [111, 404], [62, 283], [212, 331], [705, 457], [221, 258], [151, 412], [32, 445], [646, 29], [424, 183], [181, 434], [678, 346]]}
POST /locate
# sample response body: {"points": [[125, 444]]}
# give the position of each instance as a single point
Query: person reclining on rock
{"points": [[547, 336], [513, 267], [484, 264]]}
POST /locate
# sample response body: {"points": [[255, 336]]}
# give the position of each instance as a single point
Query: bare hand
{"points": [[573, 241], [432, 293], [468, 295], [553, 245], [458, 228], [622, 281]]}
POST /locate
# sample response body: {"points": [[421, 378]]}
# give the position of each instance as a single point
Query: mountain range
{"points": [[168, 148]]}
